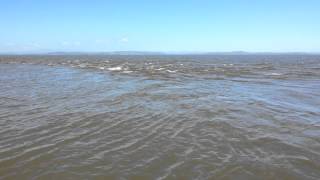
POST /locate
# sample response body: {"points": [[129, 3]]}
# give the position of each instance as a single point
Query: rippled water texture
{"points": [[160, 117]]}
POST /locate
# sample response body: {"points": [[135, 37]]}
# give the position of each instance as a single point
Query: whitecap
{"points": [[83, 65], [102, 68], [127, 72], [118, 68], [273, 74]]}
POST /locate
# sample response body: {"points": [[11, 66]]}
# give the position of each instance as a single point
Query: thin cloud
{"points": [[76, 43], [34, 45], [124, 40], [100, 41], [10, 44], [67, 43]]}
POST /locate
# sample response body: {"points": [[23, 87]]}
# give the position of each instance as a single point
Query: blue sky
{"points": [[160, 25]]}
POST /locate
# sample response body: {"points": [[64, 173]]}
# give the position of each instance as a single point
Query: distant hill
{"points": [[157, 53], [108, 53], [179, 53]]}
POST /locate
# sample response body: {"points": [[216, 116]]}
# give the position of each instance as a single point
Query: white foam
{"points": [[83, 65], [273, 74], [118, 68], [276, 74], [102, 68], [127, 72], [170, 71]]}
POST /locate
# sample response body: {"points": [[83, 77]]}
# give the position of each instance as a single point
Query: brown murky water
{"points": [[160, 117]]}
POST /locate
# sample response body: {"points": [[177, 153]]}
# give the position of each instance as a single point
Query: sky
{"points": [[160, 25]]}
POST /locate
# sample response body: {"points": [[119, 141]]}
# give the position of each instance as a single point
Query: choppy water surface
{"points": [[160, 117]]}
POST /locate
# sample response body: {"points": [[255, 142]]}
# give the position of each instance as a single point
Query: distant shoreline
{"points": [[144, 53]]}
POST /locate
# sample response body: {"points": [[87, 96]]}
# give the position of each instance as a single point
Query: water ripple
{"points": [[159, 117]]}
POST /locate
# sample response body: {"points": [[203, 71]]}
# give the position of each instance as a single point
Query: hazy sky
{"points": [[159, 25]]}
